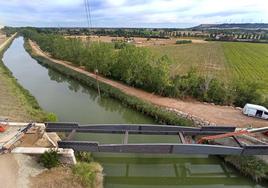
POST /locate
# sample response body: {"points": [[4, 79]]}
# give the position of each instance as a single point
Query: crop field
{"points": [[224, 60], [248, 61]]}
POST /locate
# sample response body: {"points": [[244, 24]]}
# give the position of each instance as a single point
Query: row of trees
{"points": [[138, 67], [129, 64]]}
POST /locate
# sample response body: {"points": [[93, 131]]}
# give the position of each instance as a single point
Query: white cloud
{"points": [[115, 2], [138, 12]]}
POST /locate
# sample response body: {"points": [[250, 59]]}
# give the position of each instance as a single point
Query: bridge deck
{"points": [[184, 147]]}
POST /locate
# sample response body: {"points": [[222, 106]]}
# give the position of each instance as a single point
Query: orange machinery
{"points": [[236, 133], [3, 126]]}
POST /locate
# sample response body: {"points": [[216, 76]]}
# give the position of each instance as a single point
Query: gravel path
{"points": [[220, 115], [17, 169], [9, 171]]}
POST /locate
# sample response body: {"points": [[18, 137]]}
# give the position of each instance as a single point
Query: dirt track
{"points": [[138, 41], [220, 115]]}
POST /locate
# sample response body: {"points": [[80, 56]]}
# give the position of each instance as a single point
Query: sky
{"points": [[131, 13]]}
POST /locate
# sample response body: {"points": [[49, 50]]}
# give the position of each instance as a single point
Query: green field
{"points": [[224, 60]]}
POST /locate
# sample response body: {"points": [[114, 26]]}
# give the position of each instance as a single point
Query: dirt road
{"points": [[137, 41], [9, 171], [17, 169], [220, 115]]}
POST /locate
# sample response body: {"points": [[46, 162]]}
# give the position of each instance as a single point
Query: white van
{"points": [[255, 111]]}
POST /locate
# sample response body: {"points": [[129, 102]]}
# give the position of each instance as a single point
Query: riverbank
{"points": [[257, 173], [17, 104], [18, 170]]}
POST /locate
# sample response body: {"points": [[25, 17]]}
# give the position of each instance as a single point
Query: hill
{"points": [[242, 26]]}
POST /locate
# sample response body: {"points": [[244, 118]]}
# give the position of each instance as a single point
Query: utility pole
{"points": [[89, 22]]}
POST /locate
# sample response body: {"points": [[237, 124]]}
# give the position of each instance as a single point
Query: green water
{"points": [[74, 102]]}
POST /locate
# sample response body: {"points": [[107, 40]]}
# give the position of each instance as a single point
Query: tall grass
{"points": [[30, 103]]}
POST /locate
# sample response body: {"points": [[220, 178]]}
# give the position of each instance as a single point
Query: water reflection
{"points": [[149, 171]]}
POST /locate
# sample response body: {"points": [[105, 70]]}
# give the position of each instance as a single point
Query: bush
{"points": [[216, 92], [120, 45], [51, 117], [84, 156], [183, 41], [246, 92], [190, 85], [250, 166], [90, 174], [50, 159]]}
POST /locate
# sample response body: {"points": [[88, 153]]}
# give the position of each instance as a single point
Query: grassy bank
{"points": [[250, 166], [157, 113], [24, 105]]}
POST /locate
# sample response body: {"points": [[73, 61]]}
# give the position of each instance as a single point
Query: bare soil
{"points": [[60, 177], [16, 170], [2, 38], [138, 41], [8, 170], [220, 115]]}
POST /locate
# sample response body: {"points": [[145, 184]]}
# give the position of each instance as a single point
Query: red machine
{"points": [[236, 133], [3, 125]]}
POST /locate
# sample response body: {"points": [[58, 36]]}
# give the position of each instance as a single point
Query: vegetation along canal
{"points": [[72, 101]]}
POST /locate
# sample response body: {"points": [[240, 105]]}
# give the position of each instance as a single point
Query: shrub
{"points": [[190, 85], [84, 156], [250, 166], [90, 174], [119, 45], [246, 92], [183, 41], [50, 159], [216, 92], [51, 117]]}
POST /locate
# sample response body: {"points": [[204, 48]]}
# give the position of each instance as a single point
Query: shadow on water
{"points": [[72, 101], [129, 171]]}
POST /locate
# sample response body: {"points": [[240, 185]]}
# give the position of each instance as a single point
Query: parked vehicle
{"points": [[255, 111]]}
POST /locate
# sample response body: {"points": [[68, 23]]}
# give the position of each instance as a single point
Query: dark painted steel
{"points": [[172, 148], [137, 129]]}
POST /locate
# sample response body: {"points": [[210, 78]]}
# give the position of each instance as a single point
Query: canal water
{"points": [[74, 102]]}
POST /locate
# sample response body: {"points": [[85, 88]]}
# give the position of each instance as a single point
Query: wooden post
{"points": [[98, 86], [126, 138]]}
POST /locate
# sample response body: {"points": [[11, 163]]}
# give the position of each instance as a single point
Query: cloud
{"points": [[131, 13]]}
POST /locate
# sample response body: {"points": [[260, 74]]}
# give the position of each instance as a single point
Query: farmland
{"points": [[248, 61], [224, 60]]}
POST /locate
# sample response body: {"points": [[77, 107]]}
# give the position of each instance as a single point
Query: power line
{"points": [[89, 22], [86, 9], [88, 13]]}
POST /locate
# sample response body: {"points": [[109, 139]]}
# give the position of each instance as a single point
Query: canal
{"points": [[74, 102]]}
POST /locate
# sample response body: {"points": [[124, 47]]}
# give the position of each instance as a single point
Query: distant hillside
{"points": [[245, 26]]}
